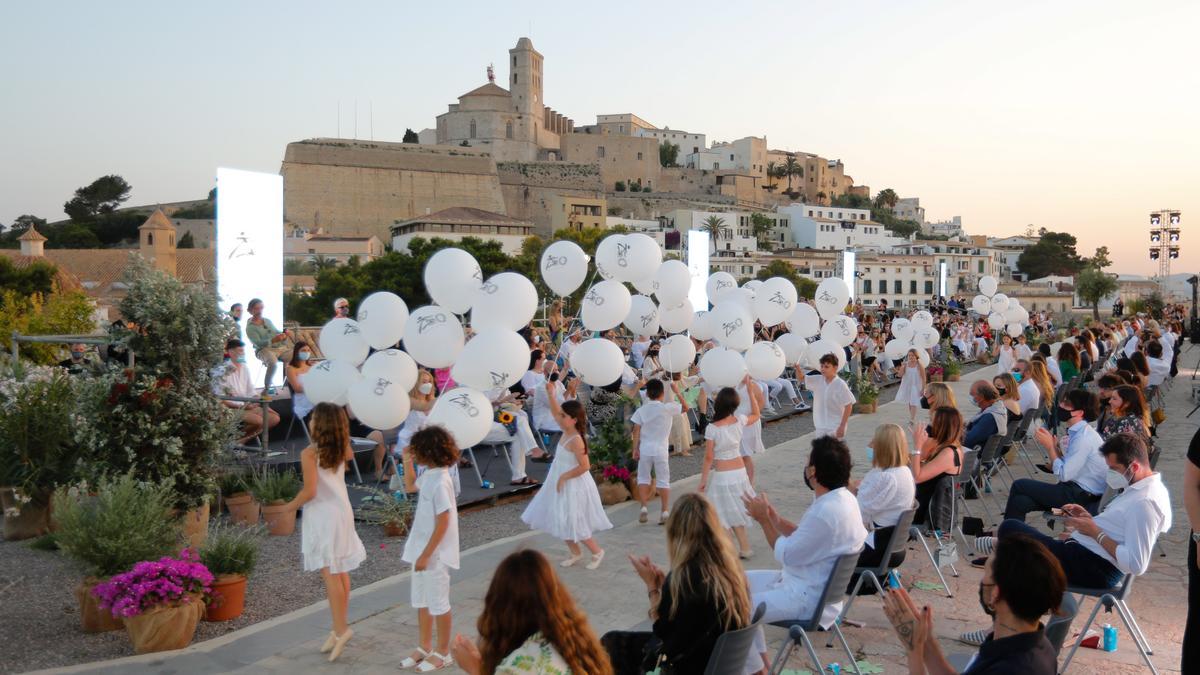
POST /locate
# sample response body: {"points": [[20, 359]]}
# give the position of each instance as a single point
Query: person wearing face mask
{"points": [[341, 308], [300, 363], [883, 494], [991, 419], [236, 382], [1010, 397], [78, 364], [1031, 395], [1021, 583]]}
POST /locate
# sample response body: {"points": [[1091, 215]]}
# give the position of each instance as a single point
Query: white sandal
{"points": [[410, 662], [427, 667]]}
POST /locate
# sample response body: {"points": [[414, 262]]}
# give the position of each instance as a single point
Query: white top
{"points": [[1054, 371], [531, 380], [829, 400], [1031, 396], [638, 351], [412, 424], [1134, 519], [1005, 361], [1082, 462], [237, 382], [655, 419], [884, 494], [831, 527], [543, 416], [1159, 370], [435, 495], [1131, 345], [727, 439], [564, 352], [1024, 352]]}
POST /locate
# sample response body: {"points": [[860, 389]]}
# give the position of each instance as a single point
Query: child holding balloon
{"points": [[912, 383], [723, 461]]}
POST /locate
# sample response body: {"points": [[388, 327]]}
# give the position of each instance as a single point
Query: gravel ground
{"points": [[41, 627]]}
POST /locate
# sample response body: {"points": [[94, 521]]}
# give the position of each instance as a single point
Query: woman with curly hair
{"points": [[530, 625]]}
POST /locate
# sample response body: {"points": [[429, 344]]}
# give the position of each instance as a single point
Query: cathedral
{"points": [[512, 125]]}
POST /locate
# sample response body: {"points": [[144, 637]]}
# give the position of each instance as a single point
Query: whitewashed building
{"points": [[832, 227]]}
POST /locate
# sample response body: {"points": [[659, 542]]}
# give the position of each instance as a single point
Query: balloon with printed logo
{"points": [[605, 305], [506, 300], [674, 281], [832, 297], [982, 304], [381, 317], [677, 353], [1014, 329], [342, 339], [765, 360], [394, 365], [378, 402], [732, 325], [564, 266], [703, 326], [999, 303], [642, 258], [465, 413], [609, 253], [598, 362], [646, 286], [494, 357], [841, 330], [995, 321], [895, 349], [642, 318], [804, 320], [718, 284], [722, 367], [921, 319], [774, 301], [678, 318], [902, 329], [452, 276], [329, 381], [928, 337], [1013, 314], [793, 347], [923, 358], [988, 286], [433, 336], [822, 347]]}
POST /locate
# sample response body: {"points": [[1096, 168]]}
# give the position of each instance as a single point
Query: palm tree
{"points": [[792, 168], [821, 197], [772, 167], [320, 262], [713, 225], [886, 197]]}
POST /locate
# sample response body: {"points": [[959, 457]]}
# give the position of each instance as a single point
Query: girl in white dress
{"points": [[729, 482], [568, 504], [1006, 357], [328, 540], [752, 443], [912, 383]]}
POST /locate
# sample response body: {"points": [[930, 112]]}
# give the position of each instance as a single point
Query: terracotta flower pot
{"points": [[165, 627], [612, 493], [92, 618], [243, 510], [280, 519], [195, 526], [229, 598], [865, 408], [32, 519], [394, 529], [952, 378]]}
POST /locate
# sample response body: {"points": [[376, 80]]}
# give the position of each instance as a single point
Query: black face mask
{"points": [[1064, 415], [924, 403], [807, 483], [990, 611], [1001, 390]]}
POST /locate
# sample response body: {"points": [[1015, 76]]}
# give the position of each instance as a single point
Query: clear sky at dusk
{"points": [[1075, 116]]}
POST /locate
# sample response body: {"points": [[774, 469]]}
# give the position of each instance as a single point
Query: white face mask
{"points": [[1116, 480], [870, 454], [425, 387]]}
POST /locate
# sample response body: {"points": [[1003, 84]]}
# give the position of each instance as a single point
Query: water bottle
{"points": [[1110, 638], [488, 485], [893, 579], [834, 668]]}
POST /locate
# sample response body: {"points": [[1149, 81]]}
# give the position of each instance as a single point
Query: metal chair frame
{"points": [[1110, 598], [875, 574], [798, 629]]}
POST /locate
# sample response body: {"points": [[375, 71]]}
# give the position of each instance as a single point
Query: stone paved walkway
{"points": [[385, 627]]}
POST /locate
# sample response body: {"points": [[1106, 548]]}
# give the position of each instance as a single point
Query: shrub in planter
{"points": [[235, 494], [273, 489], [107, 533], [230, 554], [160, 602], [384, 509]]}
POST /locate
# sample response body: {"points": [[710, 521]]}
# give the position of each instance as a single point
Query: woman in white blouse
{"points": [[884, 493]]}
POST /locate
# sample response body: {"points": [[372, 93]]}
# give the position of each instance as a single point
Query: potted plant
{"points": [[609, 454], [273, 489], [160, 602], [934, 372], [382, 508], [952, 366], [235, 493], [107, 533], [230, 554], [866, 395]]}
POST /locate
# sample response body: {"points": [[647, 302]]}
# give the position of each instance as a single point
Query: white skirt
{"points": [[725, 490]]}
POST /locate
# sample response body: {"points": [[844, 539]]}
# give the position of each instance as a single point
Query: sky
{"points": [[1075, 116]]}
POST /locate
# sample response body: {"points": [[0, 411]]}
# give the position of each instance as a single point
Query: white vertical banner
{"points": [[250, 250], [942, 278], [848, 261], [697, 263]]}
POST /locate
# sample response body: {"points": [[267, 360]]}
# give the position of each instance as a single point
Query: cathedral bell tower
{"points": [[525, 78]]}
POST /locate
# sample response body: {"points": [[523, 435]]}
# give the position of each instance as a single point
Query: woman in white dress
{"points": [[568, 504], [912, 383], [328, 540], [751, 394], [722, 452], [1006, 356]]}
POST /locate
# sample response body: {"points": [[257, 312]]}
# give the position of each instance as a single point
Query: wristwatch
{"points": [[1196, 537]]}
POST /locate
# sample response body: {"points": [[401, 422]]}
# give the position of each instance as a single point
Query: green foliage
{"points": [[58, 313], [668, 154], [410, 136], [1100, 260], [612, 445], [1054, 254], [619, 186], [275, 486], [292, 266], [187, 241], [206, 210], [231, 549], [37, 277], [863, 389], [898, 226], [805, 287], [791, 168], [950, 363], [232, 483], [1093, 285], [37, 445], [852, 201], [46, 542], [102, 196], [714, 226], [886, 198], [381, 507], [126, 522]]}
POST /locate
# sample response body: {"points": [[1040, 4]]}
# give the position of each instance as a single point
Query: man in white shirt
{"points": [[568, 346], [638, 350], [807, 551], [832, 399], [236, 382], [1031, 396], [1160, 367], [651, 440]]}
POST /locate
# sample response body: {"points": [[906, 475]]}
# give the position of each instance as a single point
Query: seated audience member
{"points": [[938, 395], [78, 363], [938, 453], [883, 494], [341, 308], [1068, 361], [1022, 582], [991, 419], [1127, 410], [530, 624], [117, 352], [296, 368], [236, 382], [1160, 366], [270, 345], [1052, 365], [1104, 386], [1031, 395], [518, 435], [1009, 396], [807, 550]]}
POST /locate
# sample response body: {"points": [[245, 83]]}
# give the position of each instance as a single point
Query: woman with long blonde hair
{"points": [[885, 492], [939, 395], [1010, 395], [1041, 378]]}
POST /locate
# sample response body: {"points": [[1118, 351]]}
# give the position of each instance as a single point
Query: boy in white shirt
{"points": [[651, 433], [832, 399]]}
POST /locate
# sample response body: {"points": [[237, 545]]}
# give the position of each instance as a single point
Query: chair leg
{"points": [[1082, 634], [837, 630], [812, 652], [916, 532], [1132, 627], [475, 465], [781, 656]]}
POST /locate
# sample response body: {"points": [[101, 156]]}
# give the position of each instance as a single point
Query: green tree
{"points": [[821, 197], [852, 201], [886, 198], [1093, 285], [791, 167], [714, 226], [805, 287], [37, 277], [668, 154], [322, 262], [52, 313], [1054, 254], [187, 241], [22, 223], [1100, 260], [294, 267], [75, 236], [410, 136], [103, 195], [772, 168], [762, 225]]}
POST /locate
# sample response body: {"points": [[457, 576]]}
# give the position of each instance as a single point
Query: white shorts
{"points": [[431, 589], [662, 471]]}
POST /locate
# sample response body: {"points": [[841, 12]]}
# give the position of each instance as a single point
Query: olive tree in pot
{"points": [[273, 489], [383, 508], [231, 554]]}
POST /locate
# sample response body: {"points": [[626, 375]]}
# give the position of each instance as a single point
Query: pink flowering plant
{"points": [[169, 581], [616, 474]]}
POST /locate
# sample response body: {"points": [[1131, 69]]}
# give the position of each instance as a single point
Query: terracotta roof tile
{"points": [[31, 235], [489, 89], [157, 221], [465, 215]]}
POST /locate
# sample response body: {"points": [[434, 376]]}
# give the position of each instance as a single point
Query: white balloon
{"points": [[611, 250], [822, 347], [793, 347], [342, 339], [928, 337], [494, 357], [433, 336], [718, 284], [996, 321], [676, 354], [981, 304], [703, 326], [804, 321], [642, 318], [722, 367], [902, 329], [774, 300], [646, 286], [743, 297], [643, 257], [392, 365], [678, 318], [1013, 302], [999, 303], [753, 284], [895, 349], [465, 413], [381, 317], [733, 327], [674, 281], [598, 362], [1014, 329], [564, 266], [841, 330], [1013, 314], [378, 402], [506, 300], [987, 286], [765, 360], [832, 297], [921, 319], [451, 276], [923, 358], [328, 381], [606, 304]]}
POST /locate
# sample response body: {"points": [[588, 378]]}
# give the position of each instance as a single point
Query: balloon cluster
{"points": [[1002, 312]]}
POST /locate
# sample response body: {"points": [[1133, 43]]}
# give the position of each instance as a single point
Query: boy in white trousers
{"points": [[651, 433]]}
